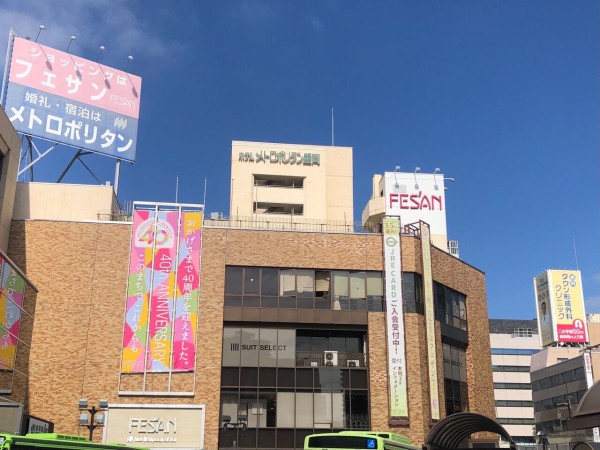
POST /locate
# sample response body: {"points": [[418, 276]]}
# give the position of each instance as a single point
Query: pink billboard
{"points": [[71, 100], [162, 293]]}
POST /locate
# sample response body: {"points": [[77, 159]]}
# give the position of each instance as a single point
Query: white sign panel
{"points": [[156, 426], [417, 196], [394, 318]]}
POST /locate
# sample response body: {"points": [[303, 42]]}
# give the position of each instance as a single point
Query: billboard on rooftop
{"points": [[70, 100]]}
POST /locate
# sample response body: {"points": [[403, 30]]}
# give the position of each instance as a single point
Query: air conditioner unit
{"points": [[330, 357], [353, 363]]}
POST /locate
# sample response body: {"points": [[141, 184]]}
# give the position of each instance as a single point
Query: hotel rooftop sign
{"points": [[281, 157]]}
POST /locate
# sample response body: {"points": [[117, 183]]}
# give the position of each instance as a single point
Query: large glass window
{"points": [[455, 379], [303, 289], [450, 306]]}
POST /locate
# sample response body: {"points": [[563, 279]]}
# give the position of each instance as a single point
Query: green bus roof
{"points": [[382, 434], [54, 440]]}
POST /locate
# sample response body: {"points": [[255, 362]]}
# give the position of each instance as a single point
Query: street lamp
{"points": [[542, 439], [92, 417]]}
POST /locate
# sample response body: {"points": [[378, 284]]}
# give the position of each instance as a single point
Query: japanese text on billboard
{"points": [[70, 100]]}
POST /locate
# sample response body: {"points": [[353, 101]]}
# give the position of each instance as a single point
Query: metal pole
{"points": [[91, 426], [69, 166], [117, 173]]}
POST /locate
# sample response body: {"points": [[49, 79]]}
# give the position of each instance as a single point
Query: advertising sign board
{"points": [[154, 426], [560, 307], [430, 322], [63, 98], [398, 401], [417, 196]]}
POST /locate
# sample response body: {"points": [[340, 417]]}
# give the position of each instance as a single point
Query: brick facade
{"points": [[81, 269]]}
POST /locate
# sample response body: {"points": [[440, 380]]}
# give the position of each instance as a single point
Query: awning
{"points": [[454, 429], [588, 412]]}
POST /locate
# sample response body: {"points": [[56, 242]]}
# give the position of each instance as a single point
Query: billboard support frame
{"points": [[28, 149]]}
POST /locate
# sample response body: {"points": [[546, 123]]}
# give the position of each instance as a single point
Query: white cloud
{"points": [[111, 23], [257, 13], [316, 24]]}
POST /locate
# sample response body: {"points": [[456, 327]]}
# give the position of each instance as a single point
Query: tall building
{"points": [[513, 342], [560, 377], [282, 183], [292, 332]]}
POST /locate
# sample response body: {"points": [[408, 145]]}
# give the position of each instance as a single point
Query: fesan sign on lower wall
{"points": [[154, 426]]}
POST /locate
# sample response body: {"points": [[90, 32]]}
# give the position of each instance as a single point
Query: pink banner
{"points": [[163, 291], [188, 281], [59, 73], [136, 310], [12, 295]]}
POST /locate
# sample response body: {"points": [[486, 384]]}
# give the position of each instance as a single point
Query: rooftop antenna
{"points": [[176, 189], [41, 28], [575, 251], [204, 199], [332, 128], [70, 42]]}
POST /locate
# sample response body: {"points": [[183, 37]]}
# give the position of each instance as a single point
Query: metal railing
{"points": [[295, 223]]}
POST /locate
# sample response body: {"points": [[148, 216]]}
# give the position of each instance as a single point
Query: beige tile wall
{"points": [[80, 270]]}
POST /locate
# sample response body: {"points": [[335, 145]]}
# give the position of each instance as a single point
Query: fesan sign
{"points": [[415, 197]]}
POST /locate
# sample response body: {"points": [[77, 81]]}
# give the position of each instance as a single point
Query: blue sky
{"points": [[502, 95]]}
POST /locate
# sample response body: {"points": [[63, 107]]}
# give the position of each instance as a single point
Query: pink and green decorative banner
{"points": [[12, 295], [188, 280], [162, 293]]}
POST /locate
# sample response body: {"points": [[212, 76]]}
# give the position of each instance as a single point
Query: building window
{"points": [[451, 306], [514, 351], [496, 368], [412, 292], [288, 209], [272, 395], [525, 386], [511, 403], [522, 332], [324, 289], [303, 289], [455, 379], [276, 181]]}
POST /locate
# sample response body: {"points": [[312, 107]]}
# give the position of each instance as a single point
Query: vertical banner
{"points": [[163, 289], [398, 402], [430, 321], [12, 294], [138, 288], [162, 297], [188, 282]]}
